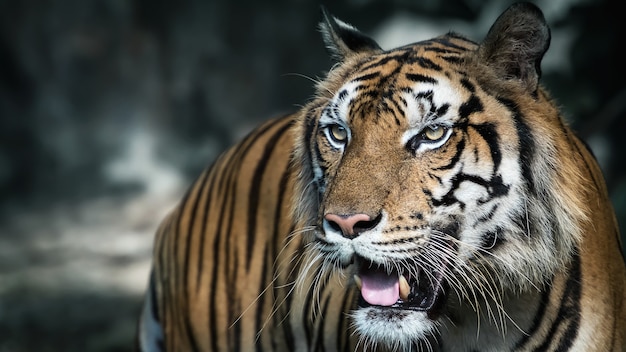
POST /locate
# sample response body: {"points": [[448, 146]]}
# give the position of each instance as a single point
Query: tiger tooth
{"points": [[358, 281], [405, 289]]}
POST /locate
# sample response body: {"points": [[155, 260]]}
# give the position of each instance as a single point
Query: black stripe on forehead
{"points": [[447, 44], [419, 78], [472, 105], [367, 76], [381, 60], [452, 59], [428, 95], [424, 63]]}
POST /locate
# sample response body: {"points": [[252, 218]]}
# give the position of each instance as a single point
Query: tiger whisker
{"points": [[486, 288]]}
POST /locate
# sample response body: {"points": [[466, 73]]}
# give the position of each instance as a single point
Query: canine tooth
{"points": [[405, 289], [358, 281]]}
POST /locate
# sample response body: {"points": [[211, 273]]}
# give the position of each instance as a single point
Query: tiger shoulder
{"points": [[430, 197]]}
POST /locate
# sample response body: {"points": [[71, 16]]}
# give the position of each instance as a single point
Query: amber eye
{"points": [[338, 133], [434, 133], [431, 137]]}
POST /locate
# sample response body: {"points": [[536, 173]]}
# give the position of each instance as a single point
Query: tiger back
{"points": [[429, 197]]}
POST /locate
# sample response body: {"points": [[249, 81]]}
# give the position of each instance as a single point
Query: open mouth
{"points": [[420, 291]]}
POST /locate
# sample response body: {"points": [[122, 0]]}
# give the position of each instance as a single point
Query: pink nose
{"points": [[351, 225]]}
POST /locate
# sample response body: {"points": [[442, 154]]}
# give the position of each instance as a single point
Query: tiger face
{"points": [[423, 180]]}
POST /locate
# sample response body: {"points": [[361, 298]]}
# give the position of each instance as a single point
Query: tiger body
{"points": [[429, 197]]}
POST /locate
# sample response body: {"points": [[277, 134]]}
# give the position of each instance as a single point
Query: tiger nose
{"points": [[351, 225]]}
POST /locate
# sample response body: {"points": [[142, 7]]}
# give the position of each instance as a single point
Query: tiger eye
{"points": [[338, 133], [434, 133]]}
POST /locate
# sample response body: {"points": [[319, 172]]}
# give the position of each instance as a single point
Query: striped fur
{"points": [[444, 163]]}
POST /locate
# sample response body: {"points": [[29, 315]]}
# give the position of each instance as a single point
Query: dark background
{"points": [[108, 108]]}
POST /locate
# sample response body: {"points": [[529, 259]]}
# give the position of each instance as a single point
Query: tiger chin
{"points": [[428, 197]]}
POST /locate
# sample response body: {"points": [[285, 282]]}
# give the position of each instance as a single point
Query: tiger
{"points": [[430, 197]]}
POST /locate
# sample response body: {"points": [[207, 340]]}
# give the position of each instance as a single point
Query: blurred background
{"points": [[109, 108]]}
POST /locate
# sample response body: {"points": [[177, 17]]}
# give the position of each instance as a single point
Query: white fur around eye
{"points": [[424, 144], [337, 135]]}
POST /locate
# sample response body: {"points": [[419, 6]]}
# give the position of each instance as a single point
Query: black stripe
{"points": [[205, 220], [261, 298], [465, 82], [448, 44], [428, 95], [451, 59], [277, 243], [319, 343], [321, 288], [399, 107], [201, 184], [234, 310], [425, 63], [343, 343], [570, 308], [288, 300], [569, 311], [383, 107], [227, 189], [311, 123], [494, 187], [488, 216], [177, 282], [257, 178], [416, 77], [439, 50], [222, 247], [472, 105], [342, 94], [460, 147], [309, 300], [539, 316], [320, 161], [198, 186], [488, 132], [233, 170], [526, 143], [442, 110], [366, 77], [399, 56], [217, 252]]}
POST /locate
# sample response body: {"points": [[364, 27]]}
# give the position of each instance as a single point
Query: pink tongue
{"points": [[380, 289]]}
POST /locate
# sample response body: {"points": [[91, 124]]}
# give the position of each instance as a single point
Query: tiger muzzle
{"points": [[419, 290]]}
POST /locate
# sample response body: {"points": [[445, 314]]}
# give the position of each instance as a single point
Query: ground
{"points": [[72, 276]]}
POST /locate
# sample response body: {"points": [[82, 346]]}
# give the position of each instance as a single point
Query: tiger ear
{"points": [[343, 40], [516, 43]]}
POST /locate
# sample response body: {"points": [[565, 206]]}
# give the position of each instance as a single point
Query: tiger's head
{"points": [[436, 174]]}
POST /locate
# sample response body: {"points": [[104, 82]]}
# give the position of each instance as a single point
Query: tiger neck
{"points": [[552, 312]]}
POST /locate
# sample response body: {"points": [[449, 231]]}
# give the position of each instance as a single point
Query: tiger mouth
{"points": [[419, 291]]}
